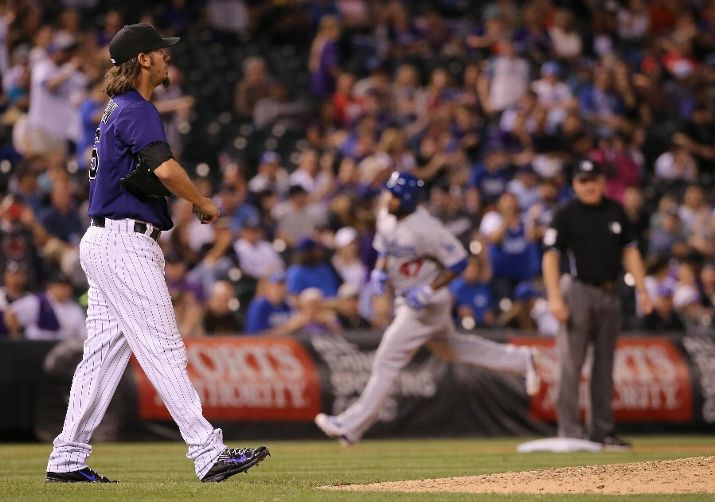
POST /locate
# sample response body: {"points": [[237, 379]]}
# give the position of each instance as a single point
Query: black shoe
{"points": [[614, 443], [85, 475], [235, 460]]}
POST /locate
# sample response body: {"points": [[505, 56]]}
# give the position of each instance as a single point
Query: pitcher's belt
{"points": [[131, 225]]}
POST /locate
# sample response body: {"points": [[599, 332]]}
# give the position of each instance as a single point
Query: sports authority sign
{"points": [[652, 381], [243, 379]]}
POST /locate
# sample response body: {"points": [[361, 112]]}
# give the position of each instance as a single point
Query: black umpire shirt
{"points": [[592, 237]]}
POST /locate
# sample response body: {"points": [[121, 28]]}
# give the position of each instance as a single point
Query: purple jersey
{"points": [[129, 124]]}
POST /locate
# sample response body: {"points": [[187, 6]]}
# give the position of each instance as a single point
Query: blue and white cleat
{"points": [[332, 428]]}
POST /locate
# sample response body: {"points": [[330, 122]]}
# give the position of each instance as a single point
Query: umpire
{"points": [[595, 234]]}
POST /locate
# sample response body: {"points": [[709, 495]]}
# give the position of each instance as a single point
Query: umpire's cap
{"points": [[134, 39], [587, 168]]}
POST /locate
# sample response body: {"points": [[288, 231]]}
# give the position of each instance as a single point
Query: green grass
{"points": [[160, 471]]}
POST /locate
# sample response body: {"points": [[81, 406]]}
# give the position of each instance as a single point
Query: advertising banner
{"points": [[249, 386], [243, 378], [651, 380], [701, 352]]}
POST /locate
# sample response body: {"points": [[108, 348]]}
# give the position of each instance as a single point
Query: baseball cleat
{"points": [[611, 442], [332, 428], [533, 381], [234, 460], [85, 475]]}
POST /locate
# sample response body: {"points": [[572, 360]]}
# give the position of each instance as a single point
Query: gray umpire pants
{"points": [[594, 320], [411, 329]]}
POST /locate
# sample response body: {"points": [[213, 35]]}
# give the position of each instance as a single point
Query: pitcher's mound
{"points": [[685, 475]]}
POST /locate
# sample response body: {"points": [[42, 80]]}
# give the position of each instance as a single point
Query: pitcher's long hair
{"points": [[119, 79]]}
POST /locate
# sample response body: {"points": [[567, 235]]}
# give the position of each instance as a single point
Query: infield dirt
{"points": [[686, 475]]}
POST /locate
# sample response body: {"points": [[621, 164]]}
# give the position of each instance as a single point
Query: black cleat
{"points": [[234, 460], [611, 442], [85, 475]]}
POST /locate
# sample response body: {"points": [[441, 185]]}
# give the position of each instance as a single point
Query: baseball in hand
{"points": [[203, 217]]}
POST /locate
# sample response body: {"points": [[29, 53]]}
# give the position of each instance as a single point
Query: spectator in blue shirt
{"points": [[268, 313], [61, 219], [601, 104], [311, 270], [512, 252], [473, 299], [90, 112], [233, 205], [27, 191], [491, 176]]}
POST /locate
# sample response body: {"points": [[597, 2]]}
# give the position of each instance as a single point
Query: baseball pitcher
{"points": [[130, 309]]}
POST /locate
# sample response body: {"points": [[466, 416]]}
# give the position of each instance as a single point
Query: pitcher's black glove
{"points": [[144, 184]]}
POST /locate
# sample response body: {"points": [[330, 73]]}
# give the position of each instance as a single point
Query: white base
{"points": [[559, 445]]}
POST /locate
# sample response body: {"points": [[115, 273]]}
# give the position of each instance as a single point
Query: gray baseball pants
{"points": [[408, 332], [594, 319]]}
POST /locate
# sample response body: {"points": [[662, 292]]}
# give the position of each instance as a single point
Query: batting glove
{"points": [[378, 281], [418, 298]]}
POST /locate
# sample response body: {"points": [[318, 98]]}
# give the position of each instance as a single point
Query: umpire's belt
{"points": [[606, 286], [138, 226]]}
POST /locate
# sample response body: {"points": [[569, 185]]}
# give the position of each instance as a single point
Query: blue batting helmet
{"points": [[406, 187]]}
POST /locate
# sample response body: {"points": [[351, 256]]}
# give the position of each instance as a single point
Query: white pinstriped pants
{"points": [[130, 311]]}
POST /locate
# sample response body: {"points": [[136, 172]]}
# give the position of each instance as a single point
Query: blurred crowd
{"points": [[294, 134]]}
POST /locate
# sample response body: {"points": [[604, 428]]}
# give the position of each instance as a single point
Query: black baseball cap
{"points": [[57, 277], [134, 39], [587, 168]]}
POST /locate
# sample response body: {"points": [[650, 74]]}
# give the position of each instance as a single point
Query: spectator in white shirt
{"points": [[695, 210], [633, 21], [525, 186], [347, 260], [507, 79], [297, 217], [565, 38], [52, 315], [271, 176], [676, 164], [55, 87], [307, 172], [255, 256], [40, 42], [552, 93], [314, 174]]}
